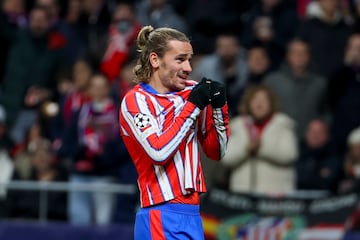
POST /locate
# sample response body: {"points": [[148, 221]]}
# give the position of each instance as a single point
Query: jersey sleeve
{"points": [[214, 131], [138, 119]]}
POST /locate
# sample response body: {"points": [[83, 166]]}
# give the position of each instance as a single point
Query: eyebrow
{"points": [[182, 55]]}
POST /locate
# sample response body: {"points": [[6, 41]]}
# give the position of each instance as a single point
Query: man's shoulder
{"points": [[209, 61], [275, 77], [132, 93], [132, 90]]}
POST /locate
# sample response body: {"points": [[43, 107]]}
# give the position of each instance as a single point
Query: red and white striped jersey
{"points": [[162, 133]]}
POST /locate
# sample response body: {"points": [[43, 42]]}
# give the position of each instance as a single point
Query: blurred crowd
{"points": [[291, 70]]}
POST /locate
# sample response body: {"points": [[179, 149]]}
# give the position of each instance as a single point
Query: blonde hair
{"points": [[153, 40], [249, 94]]}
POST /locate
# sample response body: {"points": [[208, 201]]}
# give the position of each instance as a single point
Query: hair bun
{"points": [[143, 37]]}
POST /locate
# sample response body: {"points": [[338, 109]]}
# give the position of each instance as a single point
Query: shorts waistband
{"points": [[174, 207]]}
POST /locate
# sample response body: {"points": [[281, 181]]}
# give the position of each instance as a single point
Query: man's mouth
{"points": [[183, 76]]}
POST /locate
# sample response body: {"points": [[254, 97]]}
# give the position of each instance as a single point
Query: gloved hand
{"points": [[200, 94], [217, 94]]}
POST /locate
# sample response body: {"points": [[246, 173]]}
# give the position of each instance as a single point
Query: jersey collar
{"points": [[147, 87]]}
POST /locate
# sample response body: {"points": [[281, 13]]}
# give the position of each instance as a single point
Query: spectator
{"points": [[326, 55], [6, 163], [44, 168], [14, 11], [63, 31], [53, 9], [81, 73], [262, 146], [228, 65], [318, 165], [343, 94], [65, 85], [300, 91], [32, 62], [96, 154], [121, 37], [22, 152], [208, 19], [259, 65], [92, 25], [158, 13], [73, 12], [271, 25], [352, 163]]}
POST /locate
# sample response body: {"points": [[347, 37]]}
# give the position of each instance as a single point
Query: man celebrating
{"points": [[163, 120]]}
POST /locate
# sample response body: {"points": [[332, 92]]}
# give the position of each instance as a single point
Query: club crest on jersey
{"points": [[141, 120]]}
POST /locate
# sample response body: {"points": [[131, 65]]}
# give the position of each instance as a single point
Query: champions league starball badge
{"points": [[141, 120]]}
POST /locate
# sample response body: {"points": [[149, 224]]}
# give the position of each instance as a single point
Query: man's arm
{"points": [[159, 143], [214, 131]]}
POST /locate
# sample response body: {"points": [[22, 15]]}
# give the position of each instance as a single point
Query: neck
{"points": [[157, 86], [298, 72], [329, 17], [262, 120], [230, 68]]}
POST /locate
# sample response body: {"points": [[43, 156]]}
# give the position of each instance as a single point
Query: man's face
{"points": [[99, 88], [50, 6], [172, 70], [123, 18], [298, 55], [123, 13], [81, 74], [329, 6], [227, 48], [257, 60], [39, 23], [317, 134], [13, 6]]}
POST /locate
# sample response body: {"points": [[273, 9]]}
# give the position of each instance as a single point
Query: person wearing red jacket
{"points": [[122, 35]]}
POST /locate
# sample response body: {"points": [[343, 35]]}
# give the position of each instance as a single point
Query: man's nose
{"points": [[187, 66]]}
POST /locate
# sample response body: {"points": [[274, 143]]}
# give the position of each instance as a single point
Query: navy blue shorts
{"points": [[169, 221]]}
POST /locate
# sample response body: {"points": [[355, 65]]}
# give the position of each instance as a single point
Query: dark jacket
{"points": [[344, 100], [106, 164], [302, 98], [311, 162], [31, 62], [327, 43]]}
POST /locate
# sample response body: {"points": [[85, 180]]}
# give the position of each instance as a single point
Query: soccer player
{"points": [[163, 120]]}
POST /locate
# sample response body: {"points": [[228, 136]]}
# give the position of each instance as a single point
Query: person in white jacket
{"points": [[262, 147]]}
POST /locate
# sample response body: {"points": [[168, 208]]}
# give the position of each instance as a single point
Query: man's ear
{"points": [[154, 60]]}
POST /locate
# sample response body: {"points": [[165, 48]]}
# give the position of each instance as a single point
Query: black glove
{"points": [[200, 94], [217, 94]]}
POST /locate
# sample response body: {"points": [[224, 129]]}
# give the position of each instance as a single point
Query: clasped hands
{"points": [[207, 92]]}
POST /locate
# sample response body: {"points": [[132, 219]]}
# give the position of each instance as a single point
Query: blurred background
{"points": [[292, 73]]}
